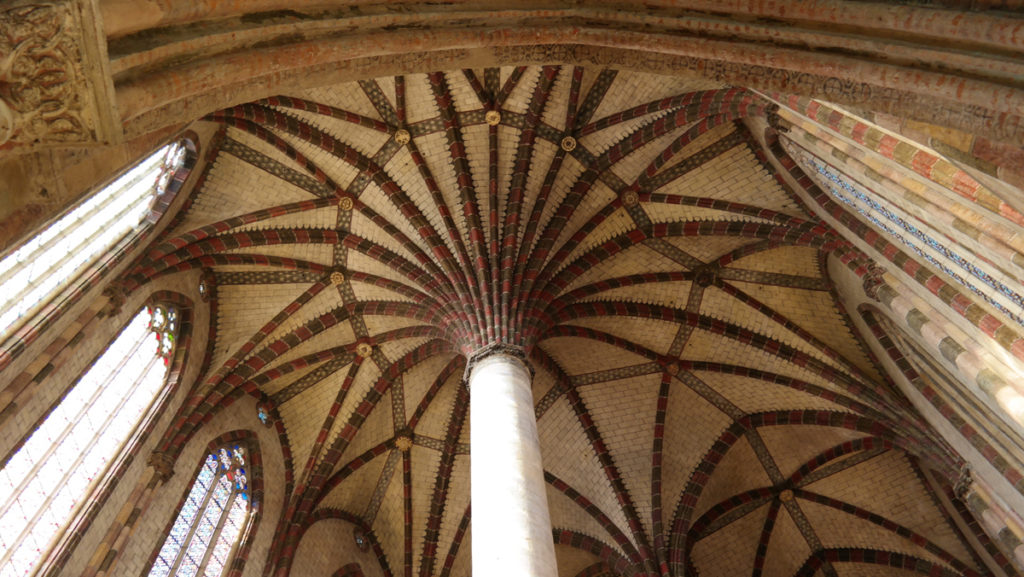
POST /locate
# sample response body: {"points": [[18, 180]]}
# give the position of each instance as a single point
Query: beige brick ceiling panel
{"points": [[369, 292], [791, 446], [281, 383], [418, 380], [630, 167], [654, 335], [737, 176], [438, 159], [463, 565], [476, 139], [600, 141], [737, 472], [378, 427], [557, 104], [454, 507], [329, 544], [341, 172], [419, 99], [669, 294], [787, 549], [903, 499], [395, 350], [434, 422], [320, 218], [596, 199], [618, 223], [362, 226], [425, 464], [566, 514], [659, 212], [692, 425], [323, 302], [756, 396], [356, 260], [348, 96], [220, 196], [365, 378], [318, 253], [721, 305], [265, 148], [640, 87], [303, 416], [568, 174], [377, 324], [354, 493], [709, 248], [696, 145], [571, 560], [463, 95], [568, 454], [578, 356], [704, 345], [794, 260], [244, 309], [543, 153], [637, 259], [389, 525], [837, 529], [366, 140], [731, 549], [521, 96], [816, 313], [339, 334], [404, 172], [624, 411]]}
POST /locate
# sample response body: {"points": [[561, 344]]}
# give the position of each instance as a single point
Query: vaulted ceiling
{"points": [[704, 403]]}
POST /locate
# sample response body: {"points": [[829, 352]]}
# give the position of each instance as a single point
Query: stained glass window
{"points": [[211, 519], [45, 480], [38, 269]]}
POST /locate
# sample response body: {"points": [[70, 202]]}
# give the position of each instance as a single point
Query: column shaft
{"points": [[511, 525]]}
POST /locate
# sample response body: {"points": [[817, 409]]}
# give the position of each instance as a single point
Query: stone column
{"points": [[511, 525]]}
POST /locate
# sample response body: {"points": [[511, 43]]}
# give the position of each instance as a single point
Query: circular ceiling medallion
{"points": [[402, 136], [568, 144], [493, 117]]}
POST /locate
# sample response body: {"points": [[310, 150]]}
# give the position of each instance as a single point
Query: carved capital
{"points": [[496, 349], [872, 280], [963, 483], [774, 120], [52, 87], [117, 294], [163, 464]]}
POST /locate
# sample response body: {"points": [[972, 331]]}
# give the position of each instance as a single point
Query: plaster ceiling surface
{"points": [[703, 404]]}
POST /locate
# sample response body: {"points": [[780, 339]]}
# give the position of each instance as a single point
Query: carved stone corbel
{"points": [[872, 280], [163, 464]]}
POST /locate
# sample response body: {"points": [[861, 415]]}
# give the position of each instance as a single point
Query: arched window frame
{"points": [[44, 314], [254, 470], [100, 489]]}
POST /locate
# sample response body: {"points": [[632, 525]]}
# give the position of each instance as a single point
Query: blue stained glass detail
{"points": [[892, 218]]}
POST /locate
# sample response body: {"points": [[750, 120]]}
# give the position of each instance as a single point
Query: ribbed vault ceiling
{"points": [[703, 405]]}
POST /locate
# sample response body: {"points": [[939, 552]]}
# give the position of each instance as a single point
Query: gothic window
{"points": [[212, 518], [45, 481], [55, 258]]}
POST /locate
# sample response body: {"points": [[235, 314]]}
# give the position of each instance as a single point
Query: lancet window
{"points": [[45, 481], [212, 518], [39, 270]]}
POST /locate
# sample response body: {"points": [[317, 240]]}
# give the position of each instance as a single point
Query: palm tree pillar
{"points": [[511, 525]]}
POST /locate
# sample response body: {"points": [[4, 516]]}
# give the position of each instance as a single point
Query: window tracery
{"points": [[211, 520], [45, 481]]}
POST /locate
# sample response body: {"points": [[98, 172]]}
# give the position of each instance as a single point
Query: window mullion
{"points": [[216, 533], [195, 523]]}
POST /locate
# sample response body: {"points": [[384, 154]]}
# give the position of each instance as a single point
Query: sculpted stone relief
{"points": [[43, 92]]}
